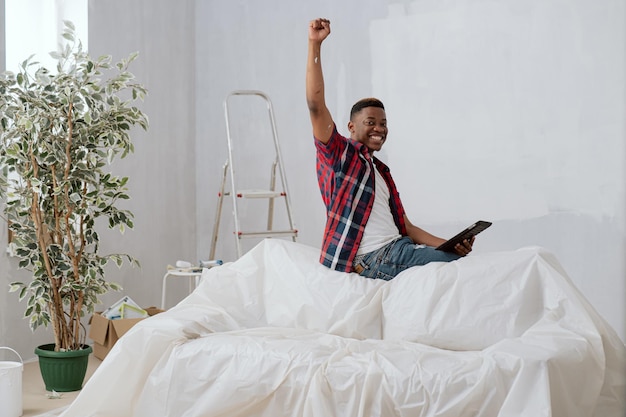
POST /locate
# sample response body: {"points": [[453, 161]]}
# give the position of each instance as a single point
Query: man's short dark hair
{"points": [[365, 102]]}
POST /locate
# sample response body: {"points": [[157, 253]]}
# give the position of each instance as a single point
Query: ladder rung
{"points": [[268, 233], [259, 194]]}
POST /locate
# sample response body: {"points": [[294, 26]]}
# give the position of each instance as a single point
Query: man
{"points": [[367, 230]]}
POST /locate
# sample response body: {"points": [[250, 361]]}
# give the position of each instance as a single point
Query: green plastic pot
{"points": [[63, 371]]}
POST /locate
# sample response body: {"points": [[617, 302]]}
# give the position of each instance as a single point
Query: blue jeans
{"points": [[393, 258]]}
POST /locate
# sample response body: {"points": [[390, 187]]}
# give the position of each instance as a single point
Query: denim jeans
{"points": [[393, 258]]}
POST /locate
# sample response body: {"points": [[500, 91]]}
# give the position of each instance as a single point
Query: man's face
{"points": [[369, 126]]}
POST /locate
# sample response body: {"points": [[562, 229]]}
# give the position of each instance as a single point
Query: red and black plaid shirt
{"points": [[346, 180]]}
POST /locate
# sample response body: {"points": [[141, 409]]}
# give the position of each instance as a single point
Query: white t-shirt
{"points": [[380, 228]]}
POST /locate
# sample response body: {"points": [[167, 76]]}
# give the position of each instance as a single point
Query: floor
{"points": [[36, 400]]}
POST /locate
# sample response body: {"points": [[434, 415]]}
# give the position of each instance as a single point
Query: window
{"points": [[35, 27]]}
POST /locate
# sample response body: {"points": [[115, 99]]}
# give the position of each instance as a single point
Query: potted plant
{"points": [[59, 131]]}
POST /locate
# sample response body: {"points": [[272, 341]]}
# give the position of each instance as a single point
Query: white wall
{"points": [[508, 111], [162, 169], [514, 112], [505, 111]]}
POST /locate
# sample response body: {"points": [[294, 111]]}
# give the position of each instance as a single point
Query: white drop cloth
{"points": [[277, 334]]}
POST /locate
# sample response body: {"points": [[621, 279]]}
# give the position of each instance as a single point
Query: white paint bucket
{"points": [[11, 386]]}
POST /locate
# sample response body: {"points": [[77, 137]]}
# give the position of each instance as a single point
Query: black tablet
{"points": [[473, 230]]}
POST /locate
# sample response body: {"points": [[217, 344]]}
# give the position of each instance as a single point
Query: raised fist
{"points": [[319, 29]]}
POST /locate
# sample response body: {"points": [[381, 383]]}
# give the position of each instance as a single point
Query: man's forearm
{"points": [[321, 120], [421, 236], [314, 78]]}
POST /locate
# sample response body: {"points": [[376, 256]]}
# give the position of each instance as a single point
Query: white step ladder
{"points": [[270, 194]]}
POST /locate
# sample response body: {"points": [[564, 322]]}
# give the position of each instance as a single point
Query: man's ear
{"points": [[351, 126]]}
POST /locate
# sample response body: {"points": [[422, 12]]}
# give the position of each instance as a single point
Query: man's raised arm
{"points": [[321, 120]]}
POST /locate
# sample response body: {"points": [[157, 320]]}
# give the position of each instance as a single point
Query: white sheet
{"points": [[277, 334]]}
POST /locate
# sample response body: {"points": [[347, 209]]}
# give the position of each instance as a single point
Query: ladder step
{"points": [[268, 233], [259, 194]]}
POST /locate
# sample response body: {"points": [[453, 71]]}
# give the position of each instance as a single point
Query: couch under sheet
{"points": [[277, 334]]}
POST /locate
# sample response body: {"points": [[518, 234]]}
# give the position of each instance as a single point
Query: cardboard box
{"points": [[105, 332]]}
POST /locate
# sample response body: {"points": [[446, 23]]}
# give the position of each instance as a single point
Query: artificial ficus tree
{"points": [[59, 133]]}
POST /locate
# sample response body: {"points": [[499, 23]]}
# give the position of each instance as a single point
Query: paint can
{"points": [[11, 386]]}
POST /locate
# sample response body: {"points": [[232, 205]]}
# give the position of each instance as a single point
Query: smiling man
{"points": [[367, 230]]}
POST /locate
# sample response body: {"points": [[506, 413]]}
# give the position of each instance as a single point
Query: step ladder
{"points": [[271, 194]]}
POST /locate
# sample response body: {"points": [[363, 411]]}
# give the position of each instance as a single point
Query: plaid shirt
{"points": [[346, 180]]}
